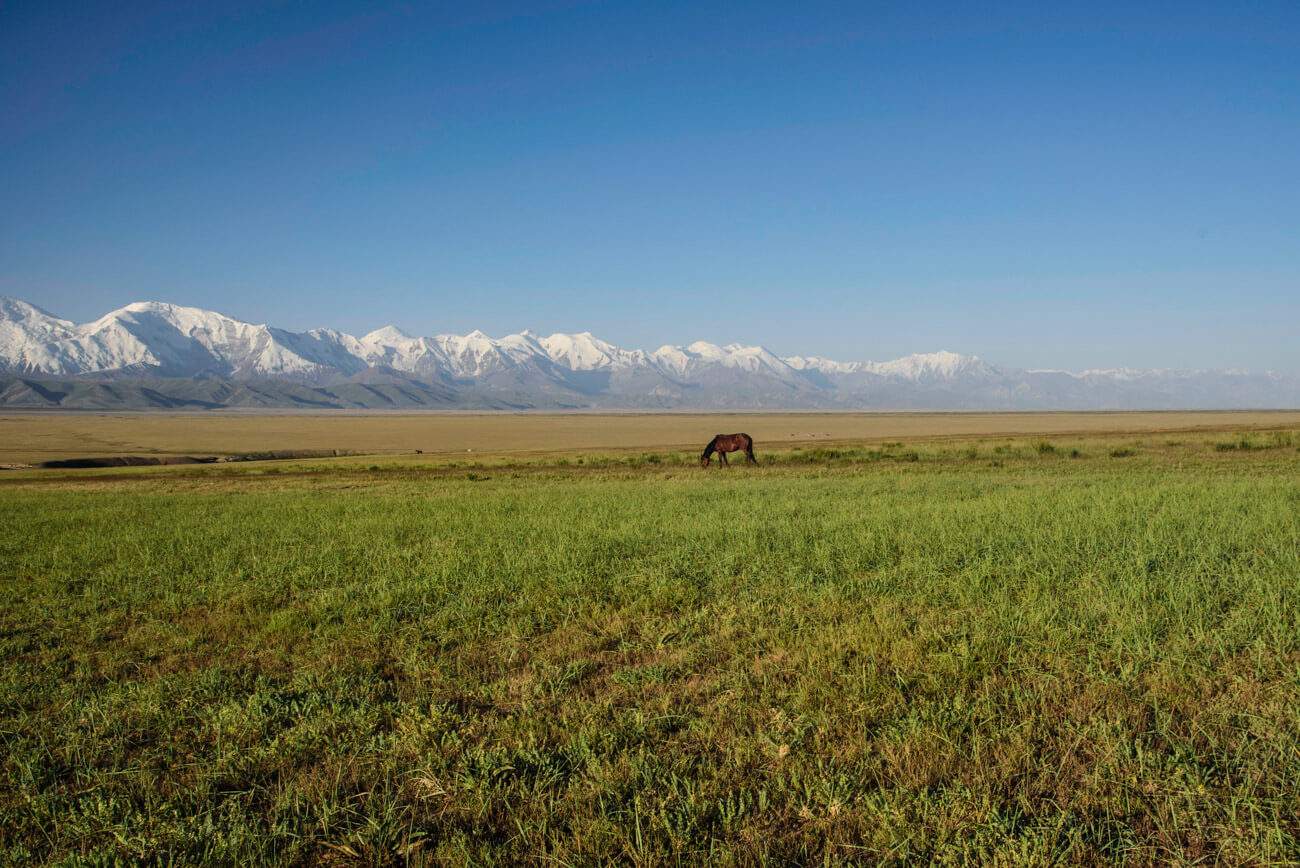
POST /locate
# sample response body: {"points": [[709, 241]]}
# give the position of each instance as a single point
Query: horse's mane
{"points": [[712, 443]]}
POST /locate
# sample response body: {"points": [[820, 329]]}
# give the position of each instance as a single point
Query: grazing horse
{"points": [[724, 443]]}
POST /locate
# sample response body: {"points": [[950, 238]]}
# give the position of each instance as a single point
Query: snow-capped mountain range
{"points": [[166, 343], [166, 340]]}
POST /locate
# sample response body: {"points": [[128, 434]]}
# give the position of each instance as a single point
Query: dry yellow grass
{"points": [[32, 437]]}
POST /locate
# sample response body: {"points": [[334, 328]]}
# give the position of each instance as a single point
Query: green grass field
{"points": [[1007, 651]]}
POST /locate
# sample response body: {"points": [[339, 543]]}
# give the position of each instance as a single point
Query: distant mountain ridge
{"points": [[152, 354]]}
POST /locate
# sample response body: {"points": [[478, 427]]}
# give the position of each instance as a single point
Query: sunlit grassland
{"points": [[41, 436], [1047, 650]]}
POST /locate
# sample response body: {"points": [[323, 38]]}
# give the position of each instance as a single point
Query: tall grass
{"points": [[842, 658]]}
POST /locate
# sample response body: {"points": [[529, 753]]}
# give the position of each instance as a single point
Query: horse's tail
{"points": [[749, 448]]}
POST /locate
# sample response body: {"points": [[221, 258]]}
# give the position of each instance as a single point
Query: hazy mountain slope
{"points": [[177, 394]]}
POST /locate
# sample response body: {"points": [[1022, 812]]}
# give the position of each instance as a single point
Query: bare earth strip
{"points": [[33, 437]]}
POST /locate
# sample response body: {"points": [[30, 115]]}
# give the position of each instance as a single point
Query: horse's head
{"points": [[704, 461]]}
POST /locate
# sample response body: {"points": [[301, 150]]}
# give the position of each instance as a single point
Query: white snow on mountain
{"points": [[825, 366], [685, 361], [30, 337], [940, 364], [585, 352], [152, 339]]}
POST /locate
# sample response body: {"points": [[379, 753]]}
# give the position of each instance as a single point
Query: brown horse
{"points": [[724, 443]]}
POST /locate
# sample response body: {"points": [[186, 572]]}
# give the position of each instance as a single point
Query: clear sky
{"points": [[1041, 185]]}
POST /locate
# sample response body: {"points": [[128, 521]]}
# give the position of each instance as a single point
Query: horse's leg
{"points": [[749, 456], [724, 459]]}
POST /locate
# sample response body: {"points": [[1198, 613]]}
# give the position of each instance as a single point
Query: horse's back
{"points": [[733, 442]]}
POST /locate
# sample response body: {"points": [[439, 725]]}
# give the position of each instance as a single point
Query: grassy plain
{"points": [[40, 436], [1029, 650]]}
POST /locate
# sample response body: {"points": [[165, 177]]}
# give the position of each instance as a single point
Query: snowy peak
{"points": [[18, 318], [388, 335], [918, 366], [702, 355], [705, 350], [940, 364], [585, 352], [28, 335], [16, 310], [824, 366]]}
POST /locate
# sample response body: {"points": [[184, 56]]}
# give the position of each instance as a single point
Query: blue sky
{"points": [[1040, 185]]}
